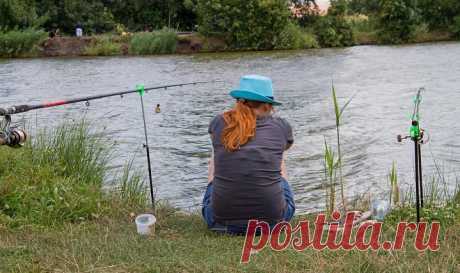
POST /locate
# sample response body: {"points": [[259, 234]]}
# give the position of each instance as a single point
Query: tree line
{"points": [[98, 16], [261, 24]]}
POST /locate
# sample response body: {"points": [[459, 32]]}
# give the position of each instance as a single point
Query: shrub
{"points": [[439, 15], [17, 43], [103, 47], [364, 29], [161, 42], [293, 37], [252, 24], [334, 32], [456, 26], [397, 21]]}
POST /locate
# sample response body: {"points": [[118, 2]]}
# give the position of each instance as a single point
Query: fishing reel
{"points": [[11, 136], [415, 133]]}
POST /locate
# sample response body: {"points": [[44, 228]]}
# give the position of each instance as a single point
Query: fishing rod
{"points": [[16, 137], [25, 108], [416, 134]]}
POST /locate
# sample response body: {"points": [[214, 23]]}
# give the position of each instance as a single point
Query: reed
{"points": [[394, 192], [338, 111], [330, 166]]}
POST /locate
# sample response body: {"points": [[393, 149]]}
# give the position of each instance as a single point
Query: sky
{"points": [[322, 3]]}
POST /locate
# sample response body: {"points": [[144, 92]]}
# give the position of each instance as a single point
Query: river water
{"points": [[384, 80]]}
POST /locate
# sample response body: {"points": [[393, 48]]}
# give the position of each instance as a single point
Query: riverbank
{"points": [[56, 217], [170, 43]]}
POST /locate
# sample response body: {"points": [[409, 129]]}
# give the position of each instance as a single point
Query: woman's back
{"points": [[247, 182]]}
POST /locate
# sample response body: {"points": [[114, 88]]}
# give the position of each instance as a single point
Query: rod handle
{"points": [[14, 110]]}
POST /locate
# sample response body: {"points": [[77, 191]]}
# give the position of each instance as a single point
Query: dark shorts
{"points": [[208, 213]]}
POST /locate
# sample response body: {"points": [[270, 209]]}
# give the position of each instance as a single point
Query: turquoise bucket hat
{"points": [[255, 88]]}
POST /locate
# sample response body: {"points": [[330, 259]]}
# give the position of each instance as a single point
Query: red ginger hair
{"points": [[240, 123]]}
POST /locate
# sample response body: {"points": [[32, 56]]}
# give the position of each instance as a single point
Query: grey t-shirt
{"points": [[247, 182]]}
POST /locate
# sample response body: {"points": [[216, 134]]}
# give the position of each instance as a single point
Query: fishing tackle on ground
{"points": [[416, 134], [16, 137]]}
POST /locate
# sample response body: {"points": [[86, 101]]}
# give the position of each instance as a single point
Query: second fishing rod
{"points": [[416, 134]]}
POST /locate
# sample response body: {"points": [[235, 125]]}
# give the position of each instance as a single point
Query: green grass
{"points": [[20, 43], [182, 244], [294, 37], [103, 46], [57, 178], [159, 42]]}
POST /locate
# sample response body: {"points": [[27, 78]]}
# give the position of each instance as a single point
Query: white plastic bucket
{"points": [[145, 224]]}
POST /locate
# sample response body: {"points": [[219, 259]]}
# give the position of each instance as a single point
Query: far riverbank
{"points": [[160, 42]]}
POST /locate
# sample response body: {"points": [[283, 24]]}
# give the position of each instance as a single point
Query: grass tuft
{"points": [[160, 42], [57, 178], [103, 46]]}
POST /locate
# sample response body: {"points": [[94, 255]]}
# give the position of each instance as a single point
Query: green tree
{"points": [[154, 14], [255, 24], [305, 12], [397, 20], [439, 14], [338, 8], [367, 7], [66, 14], [17, 13], [334, 30]]}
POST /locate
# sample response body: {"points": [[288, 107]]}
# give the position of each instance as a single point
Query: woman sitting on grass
{"points": [[247, 177]]}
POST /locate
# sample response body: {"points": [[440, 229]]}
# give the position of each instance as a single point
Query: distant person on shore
{"points": [[79, 30], [247, 176]]}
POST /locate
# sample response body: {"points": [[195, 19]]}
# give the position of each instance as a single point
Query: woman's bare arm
{"points": [[211, 167], [283, 169]]}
